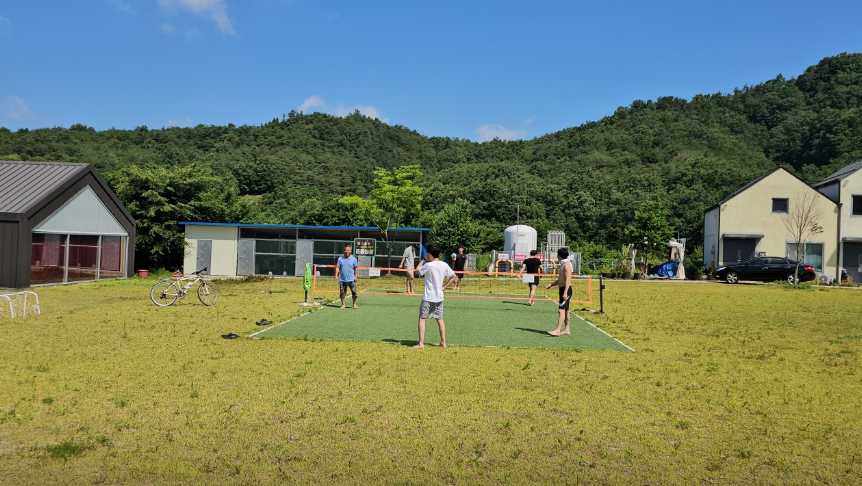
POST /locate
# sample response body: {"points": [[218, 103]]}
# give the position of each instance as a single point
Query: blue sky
{"points": [[471, 69]]}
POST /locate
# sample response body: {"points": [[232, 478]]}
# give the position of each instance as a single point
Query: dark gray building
{"points": [[60, 222]]}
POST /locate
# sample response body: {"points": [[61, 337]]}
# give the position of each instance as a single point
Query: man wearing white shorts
{"points": [[438, 275]]}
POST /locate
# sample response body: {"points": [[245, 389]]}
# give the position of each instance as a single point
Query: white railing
{"points": [[20, 304]]}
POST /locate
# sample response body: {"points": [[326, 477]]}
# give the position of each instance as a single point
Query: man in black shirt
{"points": [[532, 267]]}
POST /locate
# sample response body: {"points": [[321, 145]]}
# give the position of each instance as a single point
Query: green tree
{"points": [[159, 197], [396, 200], [455, 225]]}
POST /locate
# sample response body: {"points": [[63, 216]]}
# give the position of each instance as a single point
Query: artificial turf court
{"points": [[469, 322]]}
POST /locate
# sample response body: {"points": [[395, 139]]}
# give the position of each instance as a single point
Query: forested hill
{"points": [[667, 159]]}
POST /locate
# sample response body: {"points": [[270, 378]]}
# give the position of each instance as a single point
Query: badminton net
{"points": [[477, 285]]}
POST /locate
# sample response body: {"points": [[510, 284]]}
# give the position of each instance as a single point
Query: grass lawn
{"points": [[729, 384]]}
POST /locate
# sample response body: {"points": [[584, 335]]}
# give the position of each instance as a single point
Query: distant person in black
{"points": [[460, 262], [532, 267]]}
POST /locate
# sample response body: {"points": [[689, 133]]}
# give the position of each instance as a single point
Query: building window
{"points": [[857, 205], [813, 254], [111, 258], [48, 258], [780, 205], [83, 258], [275, 256]]}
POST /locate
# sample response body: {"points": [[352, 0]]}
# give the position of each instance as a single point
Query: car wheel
{"points": [[731, 277], [791, 279]]}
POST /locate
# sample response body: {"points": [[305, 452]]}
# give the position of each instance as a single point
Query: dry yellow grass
{"points": [[729, 384]]}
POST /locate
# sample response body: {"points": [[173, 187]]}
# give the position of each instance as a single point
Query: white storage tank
{"points": [[519, 240]]}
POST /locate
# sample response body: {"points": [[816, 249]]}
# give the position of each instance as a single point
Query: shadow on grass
{"points": [[402, 342], [537, 331], [526, 304]]}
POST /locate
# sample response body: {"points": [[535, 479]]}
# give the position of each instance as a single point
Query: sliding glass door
{"points": [[59, 258]]}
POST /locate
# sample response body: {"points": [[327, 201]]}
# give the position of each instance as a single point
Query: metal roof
{"points": [[25, 184], [302, 226], [842, 172]]}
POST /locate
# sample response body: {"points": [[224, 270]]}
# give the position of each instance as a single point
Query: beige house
{"points": [[845, 188], [751, 222]]}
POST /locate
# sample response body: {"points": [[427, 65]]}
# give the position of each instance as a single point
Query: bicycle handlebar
{"points": [[202, 270]]}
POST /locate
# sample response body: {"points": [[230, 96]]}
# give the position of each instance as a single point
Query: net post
{"points": [[601, 293]]}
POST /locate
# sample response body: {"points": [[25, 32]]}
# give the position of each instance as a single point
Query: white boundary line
{"points": [[605, 333], [270, 328]]}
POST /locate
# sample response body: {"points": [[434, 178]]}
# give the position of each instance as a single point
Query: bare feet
{"points": [[419, 346], [443, 345], [555, 333], [567, 332], [342, 306], [354, 306]]}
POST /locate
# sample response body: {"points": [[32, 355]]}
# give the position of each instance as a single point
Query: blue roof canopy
{"points": [[415, 229]]}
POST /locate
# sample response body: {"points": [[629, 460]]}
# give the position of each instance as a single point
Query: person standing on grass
{"points": [[438, 275], [564, 282], [532, 267], [345, 273], [460, 261], [408, 260]]}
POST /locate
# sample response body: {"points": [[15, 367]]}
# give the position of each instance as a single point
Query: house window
{"points": [[813, 254], [857, 205], [780, 205]]}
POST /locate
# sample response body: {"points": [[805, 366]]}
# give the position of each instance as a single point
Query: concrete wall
{"points": [[851, 226], [224, 249], [710, 239], [750, 212]]}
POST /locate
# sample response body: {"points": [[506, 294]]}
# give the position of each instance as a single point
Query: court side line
{"points": [[270, 328], [606, 333]]}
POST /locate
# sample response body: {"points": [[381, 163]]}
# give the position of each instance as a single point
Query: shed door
{"points": [[738, 249], [204, 256], [245, 257], [304, 254]]}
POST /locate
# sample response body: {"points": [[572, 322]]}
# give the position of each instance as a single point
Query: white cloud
{"points": [[492, 131], [318, 104], [367, 110], [5, 26], [123, 6], [215, 10], [311, 103], [14, 108]]}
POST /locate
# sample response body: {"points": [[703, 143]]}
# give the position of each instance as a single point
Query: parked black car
{"points": [[765, 269]]}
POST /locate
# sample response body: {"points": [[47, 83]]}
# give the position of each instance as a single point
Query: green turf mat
{"points": [[469, 322]]}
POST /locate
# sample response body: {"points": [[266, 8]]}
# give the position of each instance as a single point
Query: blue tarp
{"points": [[667, 269]]}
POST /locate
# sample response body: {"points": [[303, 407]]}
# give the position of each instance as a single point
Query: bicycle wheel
{"points": [[207, 293], [164, 293]]}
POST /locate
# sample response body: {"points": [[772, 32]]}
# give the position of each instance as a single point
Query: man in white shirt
{"points": [[438, 275], [407, 263]]}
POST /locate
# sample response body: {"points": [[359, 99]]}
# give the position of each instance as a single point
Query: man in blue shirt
{"points": [[345, 272]]}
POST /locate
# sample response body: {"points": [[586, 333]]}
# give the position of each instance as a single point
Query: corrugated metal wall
{"points": [[9, 253]]}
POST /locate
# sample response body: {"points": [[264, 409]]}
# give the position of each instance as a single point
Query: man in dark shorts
{"points": [[345, 273], [532, 267], [564, 282], [459, 264]]}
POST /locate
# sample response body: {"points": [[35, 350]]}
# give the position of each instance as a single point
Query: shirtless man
{"points": [[564, 282]]}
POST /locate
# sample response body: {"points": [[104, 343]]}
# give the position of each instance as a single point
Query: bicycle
{"points": [[167, 291]]}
